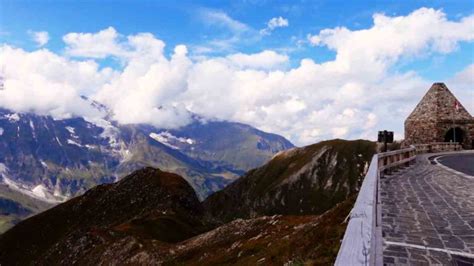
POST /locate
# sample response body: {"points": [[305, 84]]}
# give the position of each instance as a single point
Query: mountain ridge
{"points": [[324, 174], [155, 217], [52, 160]]}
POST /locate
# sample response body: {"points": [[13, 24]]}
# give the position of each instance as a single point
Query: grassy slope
{"points": [[305, 239], [308, 239], [34, 206], [267, 190]]}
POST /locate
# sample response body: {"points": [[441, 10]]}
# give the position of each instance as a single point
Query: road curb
{"points": [[436, 157]]}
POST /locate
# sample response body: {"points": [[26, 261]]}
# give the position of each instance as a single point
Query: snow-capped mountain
{"points": [[52, 160]]}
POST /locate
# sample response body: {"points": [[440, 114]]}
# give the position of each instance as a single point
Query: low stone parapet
{"points": [[437, 147]]}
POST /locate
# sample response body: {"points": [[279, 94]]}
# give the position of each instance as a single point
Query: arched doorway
{"points": [[454, 134]]}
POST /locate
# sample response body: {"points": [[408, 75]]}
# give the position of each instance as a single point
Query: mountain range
{"points": [[45, 161], [291, 210]]}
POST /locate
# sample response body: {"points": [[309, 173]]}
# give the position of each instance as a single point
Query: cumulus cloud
{"points": [[422, 31], [93, 45], [109, 43], [265, 60], [41, 38], [352, 96], [46, 83], [146, 90], [273, 23]]}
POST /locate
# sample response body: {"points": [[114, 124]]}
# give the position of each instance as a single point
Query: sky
{"points": [[308, 70]]}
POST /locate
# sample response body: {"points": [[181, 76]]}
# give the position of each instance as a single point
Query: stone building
{"points": [[440, 117]]}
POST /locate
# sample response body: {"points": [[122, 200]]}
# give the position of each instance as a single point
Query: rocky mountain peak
{"points": [[323, 174], [299, 199], [148, 203]]}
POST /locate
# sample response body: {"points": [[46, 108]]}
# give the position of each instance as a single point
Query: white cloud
{"points": [[352, 96], [227, 33], [273, 23], [265, 60], [41, 38], [93, 45], [463, 87], [146, 90], [277, 23], [222, 19], [46, 83], [422, 31], [339, 132]]}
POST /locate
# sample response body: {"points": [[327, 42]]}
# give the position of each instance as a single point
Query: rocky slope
{"points": [[154, 217], [323, 175], [265, 240], [16, 206], [235, 145], [51, 160], [148, 204]]}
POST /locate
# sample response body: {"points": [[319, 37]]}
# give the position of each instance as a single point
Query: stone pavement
{"points": [[427, 216]]}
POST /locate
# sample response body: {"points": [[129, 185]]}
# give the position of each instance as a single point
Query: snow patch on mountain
{"points": [[1, 131], [125, 154], [110, 131], [39, 192], [43, 164], [3, 169], [91, 147], [72, 132], [169, 139], [59, 142], [72, 142], [12, 117], [32, 126], [162, 140]]}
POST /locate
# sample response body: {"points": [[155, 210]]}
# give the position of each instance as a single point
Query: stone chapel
{"points": [[440, 117]]}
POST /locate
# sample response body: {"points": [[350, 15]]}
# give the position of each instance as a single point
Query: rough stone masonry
{"points": [[440, 117]]}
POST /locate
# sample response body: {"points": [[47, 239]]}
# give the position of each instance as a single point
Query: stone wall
{"points": [[418, 132]]}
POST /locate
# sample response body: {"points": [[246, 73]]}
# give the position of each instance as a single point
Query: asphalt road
{"points": [[463, 163]]}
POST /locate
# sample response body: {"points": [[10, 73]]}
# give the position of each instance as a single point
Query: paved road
{"points": [[463, 163], [427, 216]]}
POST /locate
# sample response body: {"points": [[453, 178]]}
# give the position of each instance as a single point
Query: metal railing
{"points": [[362, 242]]}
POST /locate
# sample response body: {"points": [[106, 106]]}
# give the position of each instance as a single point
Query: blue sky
{"points": [[237, 32], [179, 22]]}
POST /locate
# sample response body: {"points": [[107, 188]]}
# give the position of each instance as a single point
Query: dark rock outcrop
{"points": [[148, 204], [290, 210]]}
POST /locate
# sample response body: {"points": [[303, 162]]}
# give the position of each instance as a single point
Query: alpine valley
{"points": [[290, 211], [45, 161]]}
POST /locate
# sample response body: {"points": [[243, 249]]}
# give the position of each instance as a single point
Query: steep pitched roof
{"points": [[439, 104]]}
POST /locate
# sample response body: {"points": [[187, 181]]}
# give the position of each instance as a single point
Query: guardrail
{"points": [[392, 159], [362, 242], [359, 244]]}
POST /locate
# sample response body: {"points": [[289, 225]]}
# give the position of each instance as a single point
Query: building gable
{"points": [[438, 104]]}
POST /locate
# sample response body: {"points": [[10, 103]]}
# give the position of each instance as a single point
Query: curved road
{"points": [[428, 213], [463, 163]]}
